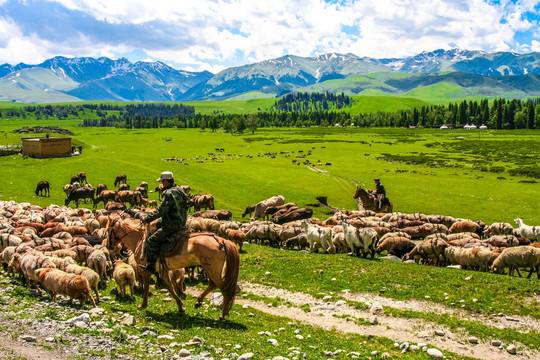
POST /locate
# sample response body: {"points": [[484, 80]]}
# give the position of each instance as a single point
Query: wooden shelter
{"points": [[46, 147]]}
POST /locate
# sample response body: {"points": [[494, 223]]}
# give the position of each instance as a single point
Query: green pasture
{"points": [[458, 173]]}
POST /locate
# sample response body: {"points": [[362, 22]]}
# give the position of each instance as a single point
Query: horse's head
{"points": [[112, 238], [359, 192]]}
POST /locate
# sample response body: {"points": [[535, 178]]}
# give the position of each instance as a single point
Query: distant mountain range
{"points": [[429, 75]]}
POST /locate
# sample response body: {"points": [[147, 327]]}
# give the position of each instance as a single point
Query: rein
{"points": [[113, 232]]}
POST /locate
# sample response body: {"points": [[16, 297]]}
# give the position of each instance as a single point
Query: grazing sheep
{"points": [[299, 241], [502, 241], [339, 243], [429, 249], [89, 274], [402, 248], [387, 243], [465, 226], [59, 282], [124, 275], [469, 258], [29, 263], [318, 235], [516, 257], [498, 228], [97, 261], [462, 242], [363, 239], [462, 235], [393, 234], [236, 236], [5, 258]]}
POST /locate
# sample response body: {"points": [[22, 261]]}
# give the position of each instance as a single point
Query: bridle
{"points": [[112, 232]]}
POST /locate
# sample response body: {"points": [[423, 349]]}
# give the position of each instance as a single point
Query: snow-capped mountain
{"points": [[70, 79]]}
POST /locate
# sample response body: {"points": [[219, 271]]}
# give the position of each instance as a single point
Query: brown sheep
{"points": [[429, 249], [387, 243], [89, 274], [124, 275], [465, 226], [236, 236], [58, 282]]}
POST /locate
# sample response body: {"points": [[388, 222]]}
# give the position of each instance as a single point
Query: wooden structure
{"points": [[46, 147]]}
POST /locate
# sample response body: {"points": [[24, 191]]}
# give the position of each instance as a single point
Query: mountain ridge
{"points": [[87, 78]]}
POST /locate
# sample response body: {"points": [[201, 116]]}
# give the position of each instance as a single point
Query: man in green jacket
{"points": [[172, 213]]}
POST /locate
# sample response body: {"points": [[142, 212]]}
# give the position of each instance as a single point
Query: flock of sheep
{"points": [[70, 243]]}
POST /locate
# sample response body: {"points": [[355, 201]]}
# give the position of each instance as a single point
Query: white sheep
{"points": [[516, 257], [469, 258]]}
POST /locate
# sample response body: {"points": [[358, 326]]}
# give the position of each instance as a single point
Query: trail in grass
{"points": [[348, 319]]}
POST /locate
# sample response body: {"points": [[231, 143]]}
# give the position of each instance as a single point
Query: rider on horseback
{"points": [[172, 214], [380, 193]]}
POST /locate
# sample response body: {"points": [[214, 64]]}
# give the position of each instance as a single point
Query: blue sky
{"points": [[213, 35]]}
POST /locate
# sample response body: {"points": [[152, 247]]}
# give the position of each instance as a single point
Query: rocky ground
{"points": [[23, 336]]}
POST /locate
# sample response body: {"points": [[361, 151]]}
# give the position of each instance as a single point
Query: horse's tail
{"points": [[230, 279]]}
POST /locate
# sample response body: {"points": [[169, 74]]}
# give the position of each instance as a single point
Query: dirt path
{"points": [[333, 315], [15, 349]]}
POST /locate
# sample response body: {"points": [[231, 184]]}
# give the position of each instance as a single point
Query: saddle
{"points": [[174, 244]]}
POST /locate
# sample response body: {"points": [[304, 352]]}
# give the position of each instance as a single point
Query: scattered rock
{"points": [[246, 356], [184, 353], [512, 349], [375, 308], [128, 320], [496, 343], [273, 342], [473, 340], [373, 320], [435, 353], [28, 338], [84, 317], [439, 332]]}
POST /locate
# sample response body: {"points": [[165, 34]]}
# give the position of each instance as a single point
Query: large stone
{"points": [[512, 349], [128, 320], [84, 317], [28, 338], [246, 356], [435, 353]]}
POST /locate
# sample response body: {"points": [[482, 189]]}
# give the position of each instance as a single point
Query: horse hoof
{"points": [[142, 307], [221, 318], [198, 305]]}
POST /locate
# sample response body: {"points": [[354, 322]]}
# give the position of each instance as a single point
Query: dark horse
{"points": [[43, 187], [367, 201]]}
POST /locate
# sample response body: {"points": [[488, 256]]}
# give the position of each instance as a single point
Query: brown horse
{"points": [[367, 202], [218, 257]]}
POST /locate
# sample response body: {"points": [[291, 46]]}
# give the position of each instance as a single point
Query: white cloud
{"points": [[221, 33]]}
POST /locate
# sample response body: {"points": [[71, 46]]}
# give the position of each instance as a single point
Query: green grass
{"points": [[450, 182], [248, 328], [399, 281]]}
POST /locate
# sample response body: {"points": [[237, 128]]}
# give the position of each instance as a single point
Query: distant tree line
{"points": [[306, 102], [501, 114]]}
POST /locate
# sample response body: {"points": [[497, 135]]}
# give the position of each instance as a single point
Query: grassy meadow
{"points": [[458, 173]]}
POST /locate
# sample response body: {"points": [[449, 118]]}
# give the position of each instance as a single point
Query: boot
{"points": [[150, 267]]}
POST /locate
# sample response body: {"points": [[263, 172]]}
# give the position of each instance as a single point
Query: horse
{"points": [[43, 188], [527, 231], [366, 202], [218, 257]]}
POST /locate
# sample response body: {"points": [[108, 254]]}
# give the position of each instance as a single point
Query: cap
{"points": [[376, 179], [166, 175]]}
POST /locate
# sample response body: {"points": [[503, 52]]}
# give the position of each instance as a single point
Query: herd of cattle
{"points": [[79, 189], [73, 240]]}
